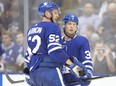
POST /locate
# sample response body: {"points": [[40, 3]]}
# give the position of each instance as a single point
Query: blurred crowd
{"points": [[97, 22], [11, 35]]}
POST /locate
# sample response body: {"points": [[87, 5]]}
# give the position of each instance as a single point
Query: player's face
{"points": [[55, 14], [71, 27]]}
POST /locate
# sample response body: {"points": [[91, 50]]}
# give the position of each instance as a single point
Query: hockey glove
{"points": [[27, 77], [26, 71], [87, 74], [76, 67]]}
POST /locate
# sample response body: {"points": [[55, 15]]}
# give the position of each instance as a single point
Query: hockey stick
{"points": [[90, 79], [93, 78], [100, 77], [11, 80]]}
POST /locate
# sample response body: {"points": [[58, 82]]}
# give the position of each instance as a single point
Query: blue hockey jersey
{"points": [[44, 40], [79, 48]]}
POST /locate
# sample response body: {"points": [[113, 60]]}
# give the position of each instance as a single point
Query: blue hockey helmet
{"points": [[67, 18], [44, 6], [70, 17]]}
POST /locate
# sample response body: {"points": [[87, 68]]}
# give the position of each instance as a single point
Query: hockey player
{"points": [[44, 55], [76, 46]]}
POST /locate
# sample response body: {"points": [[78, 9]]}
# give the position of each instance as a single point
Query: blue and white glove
{"points": [[87, 74], [76, 67]]}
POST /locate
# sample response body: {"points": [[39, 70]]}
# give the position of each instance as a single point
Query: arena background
{"points": [[97, 22]]}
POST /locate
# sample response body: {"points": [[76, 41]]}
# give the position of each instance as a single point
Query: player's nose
{"points": [[58, 15]]}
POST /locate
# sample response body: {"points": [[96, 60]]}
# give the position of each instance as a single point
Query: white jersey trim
{"points": [[55, 48], [26, 60], [51, 44], [87, 61], [87, 66], [60, 76]]}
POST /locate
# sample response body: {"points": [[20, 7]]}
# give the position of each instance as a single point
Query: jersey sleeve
{"points": [[85, 55], [54, 45]]}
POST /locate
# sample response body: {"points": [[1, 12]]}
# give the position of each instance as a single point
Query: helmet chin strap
{"points": [[49, 18], [52, 17]]}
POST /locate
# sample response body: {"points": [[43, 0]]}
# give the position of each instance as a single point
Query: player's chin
{"points": [[71, 32], [56, 18]]}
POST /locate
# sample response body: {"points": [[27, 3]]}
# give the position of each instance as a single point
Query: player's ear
{"points": [[47, 14]]}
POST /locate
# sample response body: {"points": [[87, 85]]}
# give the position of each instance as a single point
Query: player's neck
{"points": [[44, 19], [67, 38]]}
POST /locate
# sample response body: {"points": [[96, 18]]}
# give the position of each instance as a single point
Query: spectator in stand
{"points": [[7, 13], [13, 13], [13, 29], [101, 31], [1, 12], [102, 59], [20, 42], [1, 7], [109, 20], [112, 45], [91, 35], [9, 58], [17, 17], [88, 18]]}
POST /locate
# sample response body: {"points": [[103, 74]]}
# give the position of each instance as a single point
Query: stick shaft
{"points": [[10, 79]]}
